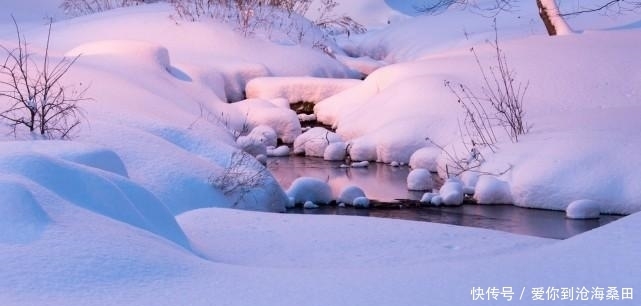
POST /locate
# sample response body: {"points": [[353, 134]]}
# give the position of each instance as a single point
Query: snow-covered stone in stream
{"points": [[314, 142], [420, 180], [361, 202], [278, 152], [583, 209], [491, 190], [335, 151], [360, 164], [310, 205], [251, 145], [349, 194], [305, 189], [425, 158], [452, 192], [264, 134]]}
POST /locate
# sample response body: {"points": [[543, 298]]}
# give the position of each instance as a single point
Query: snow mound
{"points": [[99, 191], [305, 189], [261, 112], [491, 190], [310, 205], [335, 151], [265, 134], [297, 89], [141, 52], [315, 141], [427, 197], [349, 194], [451, 193], [583, 209], [425, 158], [22, 219], [361, 202], [278, 152], [251, 145], [420, 180]]}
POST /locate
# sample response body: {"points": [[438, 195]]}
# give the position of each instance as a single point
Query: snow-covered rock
{"points": [[335, 151], [491, 190], [360, 164], [310, 205], [264, 134], [349, 193], [278, 152], [583, 209], [314, 142], [427, 197], [361, 202], [436, 200], [425, 158], [420, 180], [305, 189], [261, 112], [251, 145], [451, 192]]}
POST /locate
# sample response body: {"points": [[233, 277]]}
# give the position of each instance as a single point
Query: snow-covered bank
{"points": [[581, 108]]}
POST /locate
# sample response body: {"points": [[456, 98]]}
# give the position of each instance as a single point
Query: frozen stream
{"points": [[384, 183]]}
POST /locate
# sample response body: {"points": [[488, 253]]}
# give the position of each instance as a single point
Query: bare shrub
{"points": [[240, 176], [500, 93], [499, 104], [34, 96], [85, 7], [285, 15]]}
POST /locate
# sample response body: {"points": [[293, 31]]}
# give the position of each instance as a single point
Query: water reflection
{"points": [[386, 184]]}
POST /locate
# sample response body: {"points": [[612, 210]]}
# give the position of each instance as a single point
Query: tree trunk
{"points": [[554, 22]]}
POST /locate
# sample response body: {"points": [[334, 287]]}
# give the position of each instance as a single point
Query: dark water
{"points": [[384, 183]]}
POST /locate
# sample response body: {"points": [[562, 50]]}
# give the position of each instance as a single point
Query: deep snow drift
{"points": [[121, 214]]}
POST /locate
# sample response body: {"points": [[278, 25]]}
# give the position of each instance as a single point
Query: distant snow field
{"points": [[136, 208]]}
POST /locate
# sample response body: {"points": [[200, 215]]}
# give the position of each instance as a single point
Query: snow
{"points": [[335, 151], [491, 190], [305, 189], [583, 209], [310, 205], [451, 192], [261, 112], [314, 142], [420, 180], [360, 164], [120, 214], [361, 202], [297, 89], [349, 194], [253, 146], [278, 151], [265, 134], [425, 158]]}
